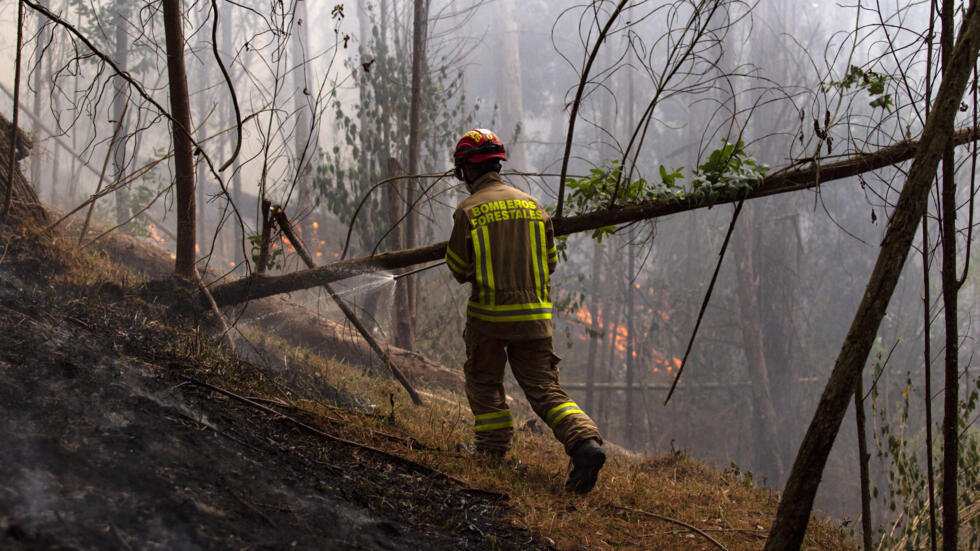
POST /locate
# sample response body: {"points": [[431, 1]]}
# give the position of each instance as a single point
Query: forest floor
{"points": [[126, 425]]}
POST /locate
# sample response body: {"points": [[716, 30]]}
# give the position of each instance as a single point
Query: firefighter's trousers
{"points": [[535, 366]]}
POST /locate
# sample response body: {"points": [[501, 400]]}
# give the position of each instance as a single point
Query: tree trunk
{"points": [[630, 348], [419, 26], [782, 181], [768, 458], [951, 407], [927, 363], [41, 42], [863, 457], [120, 88], [507, 62], [401, 322], [795, 507], [180, 127], [304, 145], [779, 295], [227, 53], [594, 329], [201, 167], [56, 151], [611, 315]]}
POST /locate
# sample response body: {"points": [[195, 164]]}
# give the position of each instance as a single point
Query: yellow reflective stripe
{"points": [[495, 426], [561, 411], [510, 312], [565, 414], [484, 264], [543, 252], [491, 285], [537, 260], [454, 262], [512, 307], [553, 255], [494, 420], [493, 415], [454, 267]]}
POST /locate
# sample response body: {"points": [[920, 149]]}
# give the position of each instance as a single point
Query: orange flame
{"points": [[584, 316], [155, 234]]}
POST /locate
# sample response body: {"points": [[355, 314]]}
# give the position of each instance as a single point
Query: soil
{"points": [[107, 446]]}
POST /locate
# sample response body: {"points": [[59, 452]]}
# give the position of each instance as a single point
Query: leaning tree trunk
{"points": [[180, 110], [797, 502]]}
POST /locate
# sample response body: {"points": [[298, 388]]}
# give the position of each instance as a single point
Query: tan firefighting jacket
{"points": [[503, 243]]}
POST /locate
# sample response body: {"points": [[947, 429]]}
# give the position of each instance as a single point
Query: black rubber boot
{"points": [[587, 459]]}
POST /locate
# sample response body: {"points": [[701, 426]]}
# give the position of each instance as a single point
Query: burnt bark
{"points": [[794, 510], [180, 125]]}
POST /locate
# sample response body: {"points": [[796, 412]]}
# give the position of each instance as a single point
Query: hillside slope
{"points": [[107, 446], [128, 427]]}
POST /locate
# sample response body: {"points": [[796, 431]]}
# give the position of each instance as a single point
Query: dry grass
{"points": [[622, 512], [725, 505]]}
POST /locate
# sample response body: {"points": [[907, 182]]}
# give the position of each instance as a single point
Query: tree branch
{"points": [[578, 101]]}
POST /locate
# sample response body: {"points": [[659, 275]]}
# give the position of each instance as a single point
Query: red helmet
{"points": [[479, 145]]}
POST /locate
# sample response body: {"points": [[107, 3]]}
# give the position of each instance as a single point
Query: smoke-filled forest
{"points": [[763, 213]]}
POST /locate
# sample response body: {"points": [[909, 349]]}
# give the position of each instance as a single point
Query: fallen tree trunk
{"points": [[783, 181]]}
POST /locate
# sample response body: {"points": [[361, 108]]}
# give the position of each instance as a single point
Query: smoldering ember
{"points": [[674, 275]]}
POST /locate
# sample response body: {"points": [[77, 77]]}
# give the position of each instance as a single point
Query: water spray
{"points": [[422, 269]]}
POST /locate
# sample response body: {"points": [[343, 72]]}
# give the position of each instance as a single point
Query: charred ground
{"points": [[108, 445]]}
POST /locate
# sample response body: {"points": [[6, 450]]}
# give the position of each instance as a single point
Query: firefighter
{"points": [[503, 243]]}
